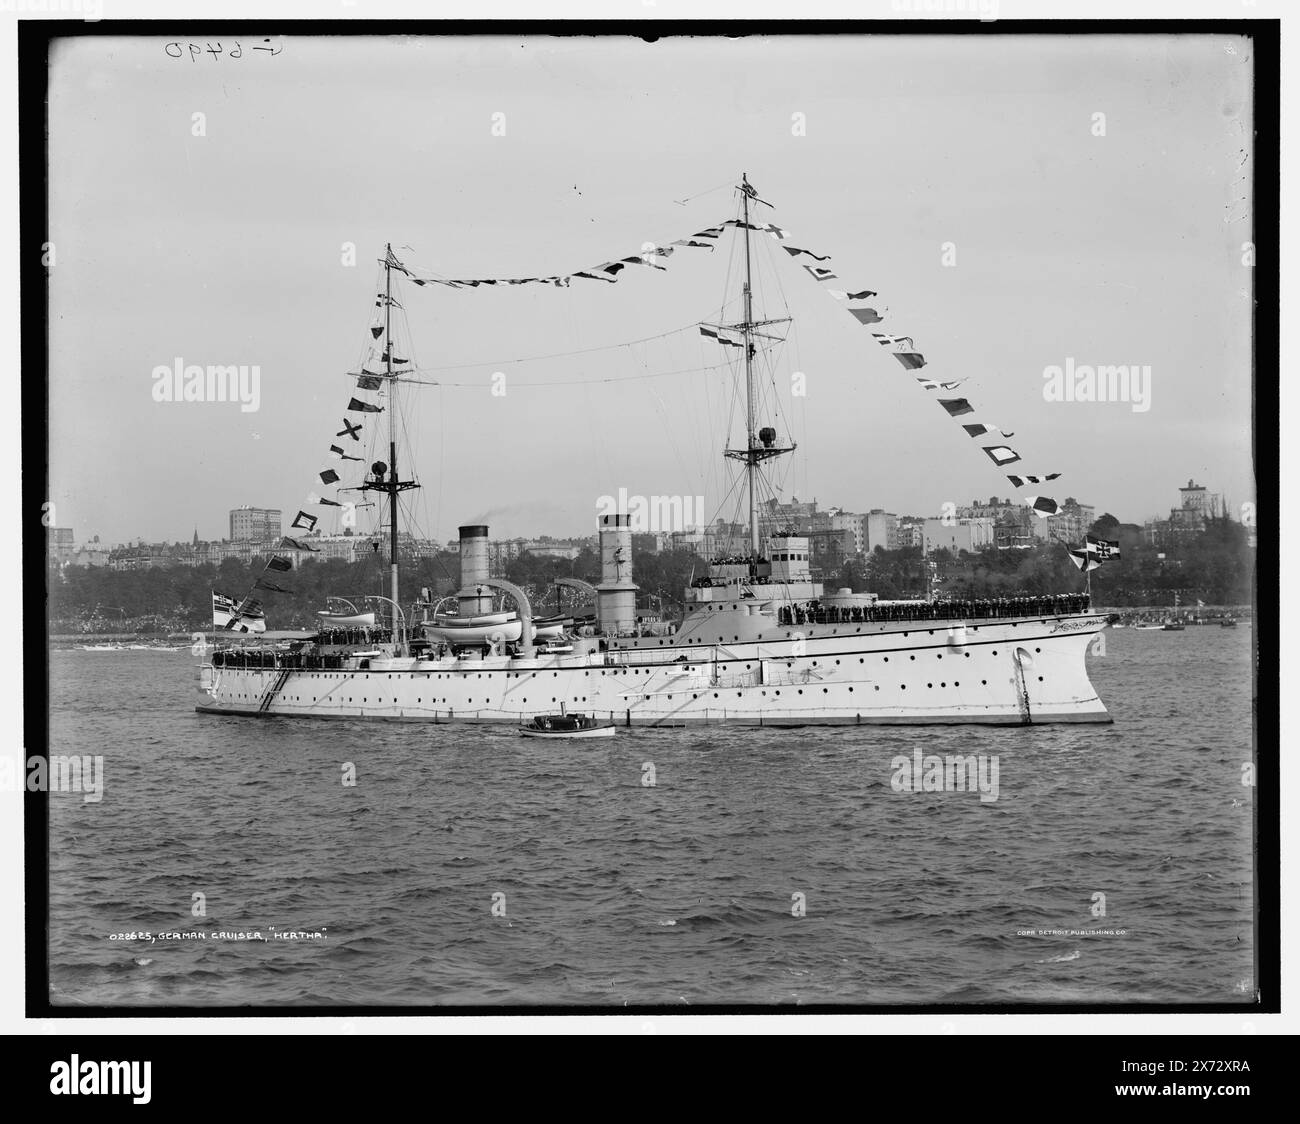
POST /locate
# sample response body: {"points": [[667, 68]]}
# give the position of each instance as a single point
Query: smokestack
{"points": [[616, 594], [474, 597]]}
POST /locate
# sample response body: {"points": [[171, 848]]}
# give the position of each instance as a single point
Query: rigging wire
{"points": [[701, 194], [766, 356], [570, 382], [775, 484], [668, 427], [560, 354]]}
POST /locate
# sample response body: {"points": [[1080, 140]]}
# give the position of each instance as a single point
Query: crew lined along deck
{"points": [[947, 610]]}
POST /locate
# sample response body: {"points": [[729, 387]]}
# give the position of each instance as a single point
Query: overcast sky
{"points": [[226, 248]]}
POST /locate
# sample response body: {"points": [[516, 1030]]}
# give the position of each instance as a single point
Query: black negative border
{"points": [[35, 38]]}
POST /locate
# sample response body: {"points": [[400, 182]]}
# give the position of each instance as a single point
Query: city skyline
{"points": [[503, 535]]}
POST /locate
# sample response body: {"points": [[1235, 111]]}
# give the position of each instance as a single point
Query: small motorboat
{"points": [[566, 725], [1173, 626], [1228, 622]]}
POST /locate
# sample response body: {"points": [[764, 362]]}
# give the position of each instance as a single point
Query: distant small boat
{"points": [[1228, 622], [1157, 627], [565, 725], [102, 648], [1173, 626]]}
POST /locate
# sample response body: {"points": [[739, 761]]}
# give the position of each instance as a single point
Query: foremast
{"points": [[760, 444], [385, 478]]}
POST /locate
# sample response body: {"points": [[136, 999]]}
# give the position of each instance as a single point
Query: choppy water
{"points": [[617, 893]]}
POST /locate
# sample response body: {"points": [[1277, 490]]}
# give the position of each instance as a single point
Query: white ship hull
{"points": [[991, 672]]}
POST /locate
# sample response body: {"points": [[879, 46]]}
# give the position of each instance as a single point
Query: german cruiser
{"points": [[760, 642]]}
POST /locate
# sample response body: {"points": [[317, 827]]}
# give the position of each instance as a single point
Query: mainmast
{"points": [[747, 328], [392, 424]]}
